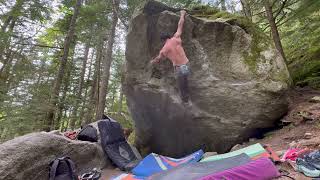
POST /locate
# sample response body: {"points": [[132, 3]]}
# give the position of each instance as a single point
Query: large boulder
{"points": [[28, 157], [237, 85]]}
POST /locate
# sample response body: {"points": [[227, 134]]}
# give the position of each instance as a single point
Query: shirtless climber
{"points": [[173, 50]]}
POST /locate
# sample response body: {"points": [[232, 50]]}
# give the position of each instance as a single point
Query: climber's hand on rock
{"points": [[183, 12], [155, 60]]}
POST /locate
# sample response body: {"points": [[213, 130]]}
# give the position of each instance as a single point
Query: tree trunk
{"points": [[7, 75], [112, 100], [62, 67], [274, 29], [107, 64], [223, 5], [5, 70], [4, 133], [62, 103], [94, 89], [65, 128], [84, 100], [81, 82], [11, 20], [5, 49], [121, 89], [6, 24], [12, 15], [246, 9]]}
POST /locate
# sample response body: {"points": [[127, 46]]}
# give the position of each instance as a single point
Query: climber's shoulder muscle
{"points": [[172, 43], [165, 49], [176, 40]]}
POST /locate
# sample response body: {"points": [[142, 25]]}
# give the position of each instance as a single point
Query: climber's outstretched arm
{"points": [[159, 57], [180, 24]]}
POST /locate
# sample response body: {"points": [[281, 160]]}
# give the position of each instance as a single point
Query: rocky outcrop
{"points": [[28, 157], [238, 83]]}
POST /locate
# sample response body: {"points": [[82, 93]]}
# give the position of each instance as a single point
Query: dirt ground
{"points": [[110, 173], [302, 130], [303, 122]]}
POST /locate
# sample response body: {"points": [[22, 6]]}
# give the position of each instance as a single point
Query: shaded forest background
{"points": [[62, 62]]}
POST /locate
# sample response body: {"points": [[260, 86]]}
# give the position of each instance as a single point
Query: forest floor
{"points": [[302, 130], [302, 127]]}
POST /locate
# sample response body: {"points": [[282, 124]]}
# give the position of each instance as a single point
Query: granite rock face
{"points": [[28, 157], [237, 85]]}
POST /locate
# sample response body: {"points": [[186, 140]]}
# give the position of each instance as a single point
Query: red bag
{"points": [[71, 134]]}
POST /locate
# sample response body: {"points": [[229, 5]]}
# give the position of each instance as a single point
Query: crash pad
{"points": [[260, 169], [154, 163], [197, 170], [126, 176], [115, 146], [254, 151]]}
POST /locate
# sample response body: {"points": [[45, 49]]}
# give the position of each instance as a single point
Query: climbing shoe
{"points": [[307, 168], [93, 175], [313, 158]]}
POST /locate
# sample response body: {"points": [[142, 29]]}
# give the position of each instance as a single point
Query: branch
{"points": [[119, 15], [284, 21], [282, 18], [277, 10], [277, 23], [40, 45], [262, 12], [280, 9], [266, 27], [289, 18], [273, 3]]}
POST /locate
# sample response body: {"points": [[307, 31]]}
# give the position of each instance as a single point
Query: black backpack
{"points": [[62, 169], [88, 133]]}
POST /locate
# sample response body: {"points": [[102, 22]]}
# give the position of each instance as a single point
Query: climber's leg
{"points": [[182, 73]]}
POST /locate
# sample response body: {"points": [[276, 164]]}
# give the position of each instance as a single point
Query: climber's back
{"points": [[173, 50]]}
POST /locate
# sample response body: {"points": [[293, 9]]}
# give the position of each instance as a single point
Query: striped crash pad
{"points": [[154, 163], [254, 151], [126, 176], [260, 169], [194, 171]]}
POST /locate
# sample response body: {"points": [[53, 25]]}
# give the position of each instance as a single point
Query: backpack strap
{"points": [[53, 169], [72, 168]]}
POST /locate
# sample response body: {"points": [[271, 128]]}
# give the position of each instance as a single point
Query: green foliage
{"points": [[114, 90], [210, 12], [94, 20], [298, 23], [260, 42], [131, 138], [181, 3], [26, 82], [301, 36]]}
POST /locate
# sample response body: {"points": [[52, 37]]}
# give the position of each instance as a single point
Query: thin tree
{"points": [[81, 83], [223, 5], [122, 71], [107, 63], [274, 29], [62, 67], [94, 85], [84, 99], [246, 9]]}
